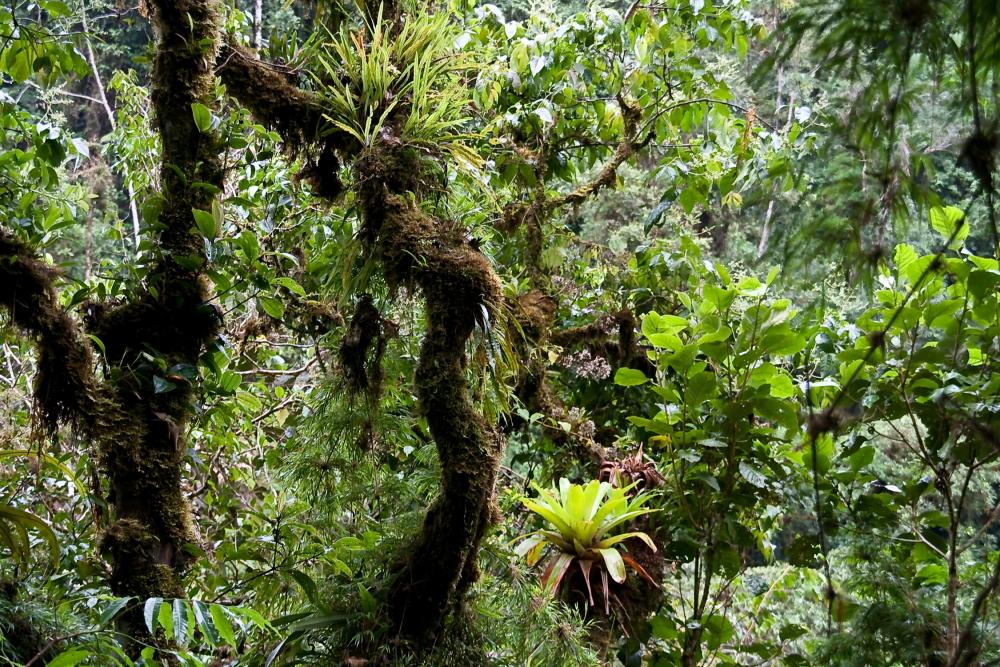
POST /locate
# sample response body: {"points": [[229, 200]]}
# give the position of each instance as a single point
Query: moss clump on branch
{"points": [[64, 384], [272, 97], [361, 350]]}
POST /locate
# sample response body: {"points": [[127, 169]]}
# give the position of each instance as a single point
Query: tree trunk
{"points": [[140, 432]]}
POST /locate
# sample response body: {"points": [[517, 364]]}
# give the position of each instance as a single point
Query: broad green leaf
{"points": [[220, 618], [630, 377], [112, 610], [272, 307], [69, 658], [950, 223], [205, 222], [165, 617], [202, 117], [203, 618], [752, 475], [180, 620]]}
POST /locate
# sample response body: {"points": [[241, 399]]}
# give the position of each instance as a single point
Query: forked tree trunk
{"points": [[140, 430]]}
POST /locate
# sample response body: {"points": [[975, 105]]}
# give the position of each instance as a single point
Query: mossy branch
{"points": [[533, 212], [269, 93], [64, 384]]}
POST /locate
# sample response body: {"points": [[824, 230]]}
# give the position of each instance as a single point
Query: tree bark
{"points": [[141, 431]]}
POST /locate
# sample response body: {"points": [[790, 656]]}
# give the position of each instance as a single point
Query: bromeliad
{"points": [[585, 518]]}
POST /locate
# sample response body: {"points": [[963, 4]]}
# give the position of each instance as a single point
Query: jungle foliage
{"points": [[423, 332]]}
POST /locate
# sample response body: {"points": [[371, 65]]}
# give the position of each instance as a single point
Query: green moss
{"points": [[64, 384], [270, 94]]}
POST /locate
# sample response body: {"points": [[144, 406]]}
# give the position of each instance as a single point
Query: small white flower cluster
{"points": [[585, 365], [585, 428]]}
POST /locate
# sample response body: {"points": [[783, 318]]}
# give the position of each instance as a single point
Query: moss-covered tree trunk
{"points": [[459, 287], [141, 431], [137, 425]]}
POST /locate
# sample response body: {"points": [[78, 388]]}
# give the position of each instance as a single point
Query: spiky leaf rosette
{"points": [[585, 518]]}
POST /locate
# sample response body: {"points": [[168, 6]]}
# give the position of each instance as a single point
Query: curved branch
{"points": [[64, 385], [271, 96]]}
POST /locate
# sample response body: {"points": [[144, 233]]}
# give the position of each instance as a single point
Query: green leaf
{"points": [[272, 307], [149, 613], [221, 620], [165, 617], [933, 574], [206, 224], [202, 117], [113, 609], [950, 223], [218, 216], [290, 285], [203, 617], [69, 658], [630, 377], [180, 620], [752, 475], [247, 242], [248, 402], [162, 386]]}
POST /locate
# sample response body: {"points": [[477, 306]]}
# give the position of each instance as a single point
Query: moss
{"points": [[361, 350], [64, 384], [536, 313], [175, 320], [270, 94]]}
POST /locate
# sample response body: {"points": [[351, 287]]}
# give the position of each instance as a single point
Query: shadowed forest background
{"points": [[427, 332]]}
